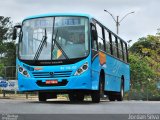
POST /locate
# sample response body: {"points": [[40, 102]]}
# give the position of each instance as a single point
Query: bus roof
{"points": [[59, 14]]}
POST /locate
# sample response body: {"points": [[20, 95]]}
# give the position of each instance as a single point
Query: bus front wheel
{"points": [[111, 97], [95, 96], [76, 97], [42, 96]]}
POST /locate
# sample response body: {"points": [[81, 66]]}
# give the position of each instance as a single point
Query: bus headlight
{"points": [[23, 71], [82, 69], [20, 69]]}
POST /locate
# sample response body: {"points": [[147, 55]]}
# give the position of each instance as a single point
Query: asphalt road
{"points": [[65, 107]]}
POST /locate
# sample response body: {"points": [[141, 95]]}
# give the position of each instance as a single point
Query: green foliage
{"points": [[10, 54], [145, 67], [5, 27], [7, 46], [1, 69], [139, 69]]}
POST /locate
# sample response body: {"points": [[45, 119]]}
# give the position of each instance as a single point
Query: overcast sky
{"points": [[145, 20]]}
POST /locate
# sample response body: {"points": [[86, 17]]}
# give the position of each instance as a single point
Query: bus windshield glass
{"points": [[54, 38]]}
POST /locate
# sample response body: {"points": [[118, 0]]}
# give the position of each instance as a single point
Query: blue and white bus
{"points": [[72, 54]]}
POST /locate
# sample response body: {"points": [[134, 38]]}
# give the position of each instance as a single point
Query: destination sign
{"points": [[43, 23], [67, 22]]}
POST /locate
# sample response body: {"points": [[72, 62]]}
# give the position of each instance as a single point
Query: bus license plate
{"points": [[51, 81]]}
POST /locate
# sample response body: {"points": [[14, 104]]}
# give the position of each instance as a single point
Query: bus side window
{"points": [[94, 37], [114, 46], [120, 49], [107, 42], [125, 52], [110, 39], [116, 41], [100, 37]]}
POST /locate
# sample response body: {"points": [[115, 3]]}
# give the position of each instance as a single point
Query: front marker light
{"points": [[82, 69], [23, 71]]}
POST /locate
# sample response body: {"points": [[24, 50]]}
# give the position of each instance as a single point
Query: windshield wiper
{"points": [[41, 45], [59, 47]]}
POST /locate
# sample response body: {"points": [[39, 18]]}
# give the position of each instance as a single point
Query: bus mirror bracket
{"points": [[15, 31]]}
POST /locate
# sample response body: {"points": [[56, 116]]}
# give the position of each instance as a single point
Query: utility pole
{"points": [[117, 24], [117, 21]]}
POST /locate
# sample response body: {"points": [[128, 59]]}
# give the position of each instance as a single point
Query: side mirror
{"points": [[15, 32], [94, 32]]}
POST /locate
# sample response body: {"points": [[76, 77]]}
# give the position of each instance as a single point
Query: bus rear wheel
{"points": [[42, 97], [121, 93]]}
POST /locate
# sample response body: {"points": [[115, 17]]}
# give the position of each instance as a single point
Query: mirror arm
{"points": [[17, 26]]}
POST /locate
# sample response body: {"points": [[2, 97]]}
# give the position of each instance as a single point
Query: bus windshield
{"points": [[54, 38]]}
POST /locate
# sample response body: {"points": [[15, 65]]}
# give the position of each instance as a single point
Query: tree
{"points": [[145, 65], [5, 27], [7, 46]]}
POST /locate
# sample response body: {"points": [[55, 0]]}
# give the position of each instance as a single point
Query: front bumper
{"points": [[70, 83]]}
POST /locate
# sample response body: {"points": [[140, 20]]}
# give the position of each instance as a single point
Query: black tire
{"points": [[97, 94], [111, 98], [72, 97], [80, 97], [121, 93], [76, 97], [41, 97]]}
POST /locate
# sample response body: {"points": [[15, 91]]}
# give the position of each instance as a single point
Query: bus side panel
{"points": [[114, 70], [127, 78]]}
